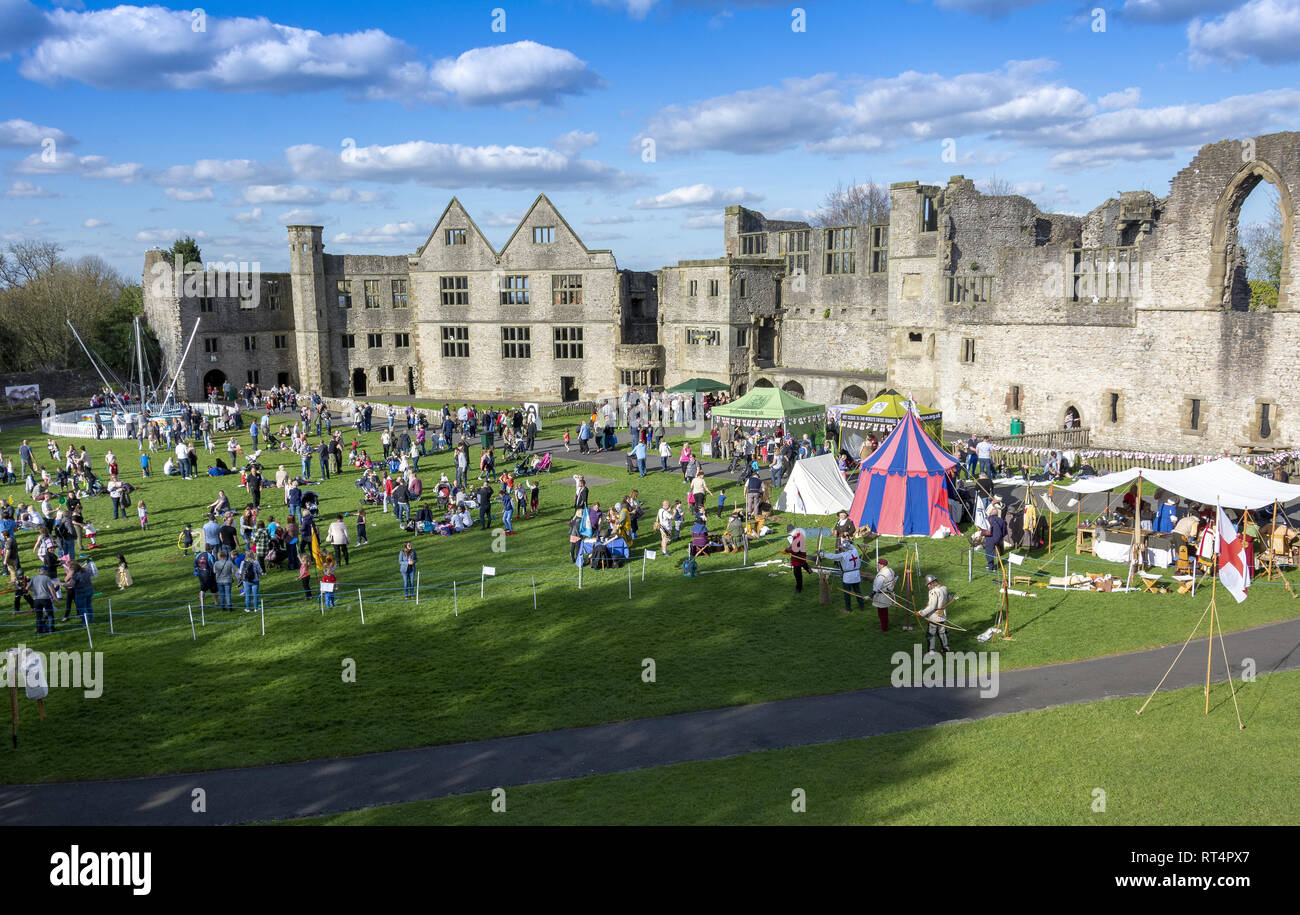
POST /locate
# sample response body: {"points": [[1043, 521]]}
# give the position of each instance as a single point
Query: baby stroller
{"points": [[311, 502]]}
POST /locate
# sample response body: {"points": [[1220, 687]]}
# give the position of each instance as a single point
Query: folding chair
{"points": [[1151, 583], [1185, 583], [1184, 564]]}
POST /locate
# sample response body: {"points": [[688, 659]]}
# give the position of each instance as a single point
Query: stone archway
{"points": [[1224, 244], [214, 379], [764, 383], [853, 394], [1071, 418], [793, 387]]}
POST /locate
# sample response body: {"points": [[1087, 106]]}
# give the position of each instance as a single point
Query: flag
{"points": [[1234, 573], [315, 548]]}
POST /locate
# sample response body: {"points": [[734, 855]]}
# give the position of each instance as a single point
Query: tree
{"points": [[188, 251], [40, 293], [1263, 244], [999, 187], [854, 204]]}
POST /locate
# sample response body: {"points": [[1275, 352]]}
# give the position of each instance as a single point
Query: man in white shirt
{"points": [[337, 538], [850, 564], [984, 457], [935, 614], [183, 460], [664, 524], [882, 593]]}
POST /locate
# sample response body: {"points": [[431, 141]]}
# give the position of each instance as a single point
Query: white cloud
{"points": [[1166, 11], [34, 222], [281, 193], [575, 141], [16, 133], [348, 195], [93, 223], [636, 9], [617, 219], [253, 215], [522, 73], [450, 165], [20, 25], [138, 47], [704, 221], [1263, 30], [752, 120], [167, 236], [793, 213], [1128, 98], [205, 171], [697, 195], [1136, 134], [302, 217], [27, 189], [495, 220], [63, 163], [188, 196], [385, 234]]}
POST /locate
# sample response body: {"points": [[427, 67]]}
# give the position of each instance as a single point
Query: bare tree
{"points": [[854, 204], [998, 187]]}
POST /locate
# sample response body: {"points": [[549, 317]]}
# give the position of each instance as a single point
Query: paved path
{"points": [[349, 783]]}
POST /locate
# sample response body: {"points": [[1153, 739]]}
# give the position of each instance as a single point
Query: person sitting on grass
{"points": [[734, 535]]}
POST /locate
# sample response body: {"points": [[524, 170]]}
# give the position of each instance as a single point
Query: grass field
{"points": [[425, 675], [1174, 765]]}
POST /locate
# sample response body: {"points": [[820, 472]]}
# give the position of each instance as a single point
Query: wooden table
{"points": [[1080, 535]]}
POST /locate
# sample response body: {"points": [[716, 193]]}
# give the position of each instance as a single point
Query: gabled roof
{"points": [[560, 216], [455, 202]]}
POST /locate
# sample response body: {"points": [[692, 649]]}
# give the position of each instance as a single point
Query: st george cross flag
{"points": [[1234, 573]]}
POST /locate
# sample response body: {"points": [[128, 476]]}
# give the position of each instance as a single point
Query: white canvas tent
{"points": [[816, 487], [1222, 482]]}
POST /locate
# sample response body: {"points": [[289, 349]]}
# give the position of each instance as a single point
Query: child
{"points": [[123, 574], [304, 575], [566, 439], [144, 463], [144, 515], [327, 578], [534, 497], [88, 530], [186, 539], [677, 519], [722, 498], [361, 527]]}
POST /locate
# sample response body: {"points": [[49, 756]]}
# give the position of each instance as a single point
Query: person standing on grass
{"points": [[223, 572], [798, 553], [406, 565], [329, 583], [850, 564], [507, 511], [484, 496], [882, 593], [82, 586], [250, 575], [361, 528], [143, 512], [43, 591], [665, 452], [338, 539], [664, 525]]}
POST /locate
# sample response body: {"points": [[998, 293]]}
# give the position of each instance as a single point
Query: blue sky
{"points": [[121, 127]]}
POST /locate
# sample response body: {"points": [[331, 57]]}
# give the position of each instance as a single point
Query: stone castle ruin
{"points": [[1131, 322]]}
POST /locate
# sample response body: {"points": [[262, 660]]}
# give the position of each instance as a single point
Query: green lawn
{"points": [[427, 676], [1172, 766]]}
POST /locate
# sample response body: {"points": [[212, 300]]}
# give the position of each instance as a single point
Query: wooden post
{"points": [[417, 587], [534, 578], [86, 620], [193, 637], [362, 605], [455, 605], [110, 617], [262, 610]]}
